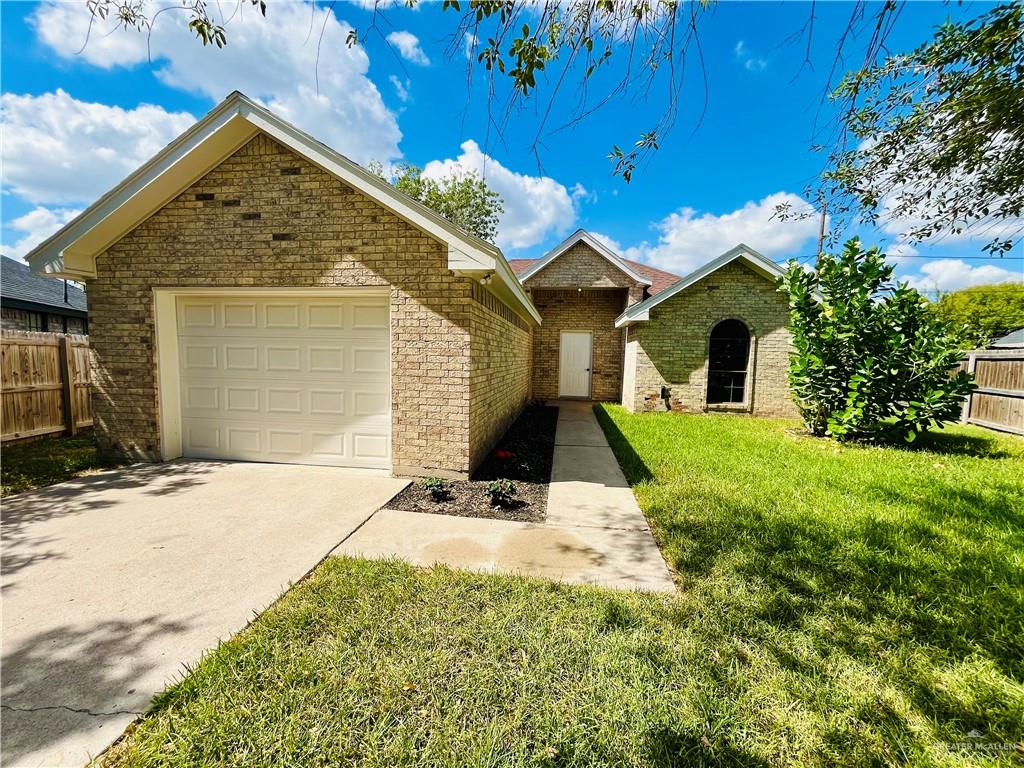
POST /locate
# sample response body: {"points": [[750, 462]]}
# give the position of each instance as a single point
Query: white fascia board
{"points": [[71, 251], [600, 248], [641, 312], [63, 254]]}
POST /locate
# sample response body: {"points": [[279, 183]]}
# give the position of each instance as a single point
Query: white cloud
{"points": [[751, 62], [401, 89], [952, 274], [35, 226], [687, 239], [470, 42], [60, 150], [535, 206], [274, 60], [581, 194], [409, 46]]}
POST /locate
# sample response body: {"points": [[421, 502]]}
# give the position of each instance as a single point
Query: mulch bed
{"points": [[523, 456]]}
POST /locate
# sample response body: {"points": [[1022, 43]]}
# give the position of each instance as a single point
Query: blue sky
{"points": [[78, 120]]}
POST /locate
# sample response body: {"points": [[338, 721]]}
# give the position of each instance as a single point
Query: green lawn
{"points": [[837, 607], [25, 466]]}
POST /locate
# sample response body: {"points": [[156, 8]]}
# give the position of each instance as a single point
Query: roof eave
{"points": [[641, 311]]}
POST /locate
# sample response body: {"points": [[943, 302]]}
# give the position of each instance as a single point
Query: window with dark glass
{"points": [[728, 355]]}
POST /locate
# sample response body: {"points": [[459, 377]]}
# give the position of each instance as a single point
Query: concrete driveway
{"points": [[114, 581]]}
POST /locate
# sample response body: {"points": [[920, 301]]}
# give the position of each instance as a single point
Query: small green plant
{"points": [[437, 488], [500, 492]]}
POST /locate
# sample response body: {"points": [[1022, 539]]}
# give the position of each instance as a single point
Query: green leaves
{"points": [[461, 197], [934, 135], [871, 360]]}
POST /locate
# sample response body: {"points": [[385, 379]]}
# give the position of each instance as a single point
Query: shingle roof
{"points": [[18, 282], [1010, 340], [660, 279]]}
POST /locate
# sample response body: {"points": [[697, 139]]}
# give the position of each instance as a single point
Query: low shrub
{"points": [[437, 487], [501, 492]]}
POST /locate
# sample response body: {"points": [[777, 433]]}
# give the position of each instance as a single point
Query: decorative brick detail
{"points": [[342, 238], [671, 349], [574, 310], [581, 291]]}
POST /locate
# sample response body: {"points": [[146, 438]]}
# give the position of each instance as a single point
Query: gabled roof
{"points": [[582, 236], [640, 311], [17, 283], [660, 279], [72, 251]]}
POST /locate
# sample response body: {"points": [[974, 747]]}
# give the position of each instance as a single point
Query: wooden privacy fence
{"points": [[44, 384], [998, 402]]}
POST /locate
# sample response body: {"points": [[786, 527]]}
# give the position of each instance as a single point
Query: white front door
{"points": [[574, 364], [299, 380]]}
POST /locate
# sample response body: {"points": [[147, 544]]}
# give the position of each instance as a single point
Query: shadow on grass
{"points": [[633, 467], [956, 444]]}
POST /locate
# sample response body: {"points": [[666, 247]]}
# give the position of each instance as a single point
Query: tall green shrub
{"points": [[872, 362]]}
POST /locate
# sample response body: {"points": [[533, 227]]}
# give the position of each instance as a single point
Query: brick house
{"points": [[614, 329], [32, 303], [255, 295]]}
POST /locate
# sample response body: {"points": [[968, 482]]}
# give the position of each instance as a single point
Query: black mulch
{"points": [[523, 456]]}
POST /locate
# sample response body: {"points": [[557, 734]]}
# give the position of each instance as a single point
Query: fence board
{"points": [[998, 403], [45, 384]]}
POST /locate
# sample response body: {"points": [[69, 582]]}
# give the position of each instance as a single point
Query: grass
{"points": [[838, 607], [30, 465]]}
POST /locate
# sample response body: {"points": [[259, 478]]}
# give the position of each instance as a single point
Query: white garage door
{"points": [[289, 379]]}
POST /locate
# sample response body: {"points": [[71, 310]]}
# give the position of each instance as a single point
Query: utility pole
{"points": [[821, 227]]}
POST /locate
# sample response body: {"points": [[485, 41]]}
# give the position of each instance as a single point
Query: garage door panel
{"points": [[234, 398], [297, 381], [228, 357], [283, 315]]}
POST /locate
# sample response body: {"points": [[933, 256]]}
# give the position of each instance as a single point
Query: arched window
{"points": [[728, 355]]}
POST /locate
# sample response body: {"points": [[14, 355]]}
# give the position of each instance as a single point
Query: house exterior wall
{"points": [[588, 310], [671, 348], [581, 291], [582, 267], [499, 379], [15, 319], [267, 218]]}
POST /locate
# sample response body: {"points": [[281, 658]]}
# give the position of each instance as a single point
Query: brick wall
{"points": [[555, 293], [588, 310], [582, 267], [266, 217], [671, 348], [499, 379]]}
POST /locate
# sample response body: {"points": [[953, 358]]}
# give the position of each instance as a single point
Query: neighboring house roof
{"points": [[582, 236], [19, 287], [1011, 340], [72, 251], [640, 311]]}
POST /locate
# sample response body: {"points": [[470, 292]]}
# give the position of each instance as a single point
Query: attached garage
{"points": [[280, 378], [254, 295]]}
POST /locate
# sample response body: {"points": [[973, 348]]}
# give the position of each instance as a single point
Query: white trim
{"points": [[582, 236], [168, 376], [72, 251], [641, 311]]}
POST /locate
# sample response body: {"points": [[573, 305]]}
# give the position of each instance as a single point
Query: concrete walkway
{"points": [[594, 532], [112, 582]]}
